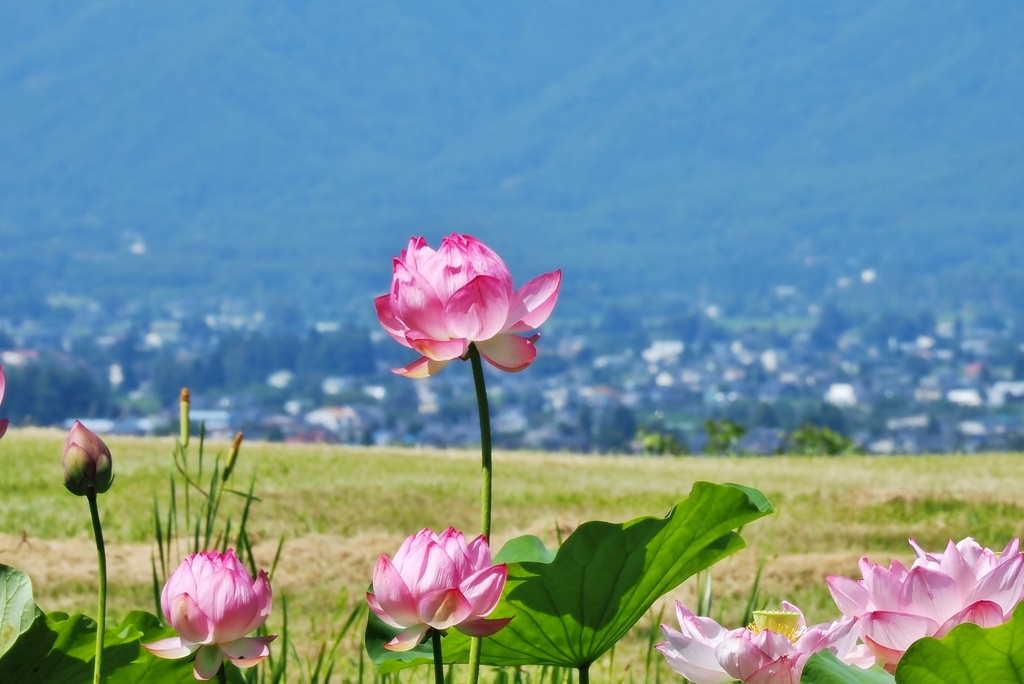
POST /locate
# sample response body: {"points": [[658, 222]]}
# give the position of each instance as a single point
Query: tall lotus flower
{"points": [[897, 605], [441, 302], [437, 582], [773, 650], [212, 602], [88, 468], [3, 386]]}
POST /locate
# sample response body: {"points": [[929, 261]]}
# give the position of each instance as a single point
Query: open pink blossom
{"points": [[212, 602], [437, 582], [3, 386], [897, 605], [441, 302], [773, 650]]}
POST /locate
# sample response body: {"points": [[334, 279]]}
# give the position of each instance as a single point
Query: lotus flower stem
{"points": [[485, 485], [101, 607], [435, 641], [485, 441]]}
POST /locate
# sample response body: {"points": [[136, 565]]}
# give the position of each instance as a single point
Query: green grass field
{"points": [[338, 508]]}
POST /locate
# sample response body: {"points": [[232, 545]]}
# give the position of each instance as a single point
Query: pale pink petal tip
{"points": [[509, 352], [171, 648], [421, 368]]}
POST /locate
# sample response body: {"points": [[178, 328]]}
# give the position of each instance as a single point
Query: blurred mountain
{"points": [[659, 152]]}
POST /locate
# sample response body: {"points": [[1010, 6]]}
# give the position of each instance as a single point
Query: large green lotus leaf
{"points": [[17, 609], [967, 655], [600, 583], [825, 668]]}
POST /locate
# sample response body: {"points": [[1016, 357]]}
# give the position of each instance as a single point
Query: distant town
{"points": [[810, 378]]}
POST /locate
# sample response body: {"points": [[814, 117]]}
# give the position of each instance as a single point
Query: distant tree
{"points": [[723, 435], [51, 391], [616, 428], [656, 443], [811, 440]]}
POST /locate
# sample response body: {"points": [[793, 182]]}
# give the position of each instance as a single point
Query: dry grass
{"points": [[340, 507]]}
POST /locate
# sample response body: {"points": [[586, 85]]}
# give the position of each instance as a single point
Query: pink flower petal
{"points": [[230, 603], [407, 639], [483, 588], [421, 368], [477, 311], [478, 552], [444, 608], [208, 662], [691, 652], [264, 596], [248, 651], [784, 670], [171, 648], [930, 593], [1004, 585], [389, 319], [850, 595], [534, 302], [189, 621], [394, 601], [417, 254], [883, 584], [889, 634], [509, 352], [460, 259], [438, 350], [482, 627], [741, 653], [415, 303], [3, 383], [428, 568], [981, 613]]}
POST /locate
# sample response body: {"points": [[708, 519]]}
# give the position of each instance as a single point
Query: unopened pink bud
{"points": [[88, 467]]}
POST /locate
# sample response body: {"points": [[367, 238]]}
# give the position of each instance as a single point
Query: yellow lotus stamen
{"points": [[781, 622]]}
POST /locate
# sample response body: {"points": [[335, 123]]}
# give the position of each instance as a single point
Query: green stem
{"points": [[485, 487], [222, 674], [485, 440], [584, 674], [101, 608], [435, 640]]}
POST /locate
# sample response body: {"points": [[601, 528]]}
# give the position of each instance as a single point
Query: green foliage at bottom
{"points": [[825, 668]]}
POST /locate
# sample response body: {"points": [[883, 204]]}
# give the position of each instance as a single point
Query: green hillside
{"points": [[654, 152]]}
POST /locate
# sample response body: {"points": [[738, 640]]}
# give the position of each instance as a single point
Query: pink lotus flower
{"points": [[3, 386], [88, 466], [441, 302], [896, 606], [437, 582], [773, 650], [212, 602]]}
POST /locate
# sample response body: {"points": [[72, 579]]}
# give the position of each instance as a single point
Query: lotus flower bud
{"points": [[88, 468], [183, 404]]}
